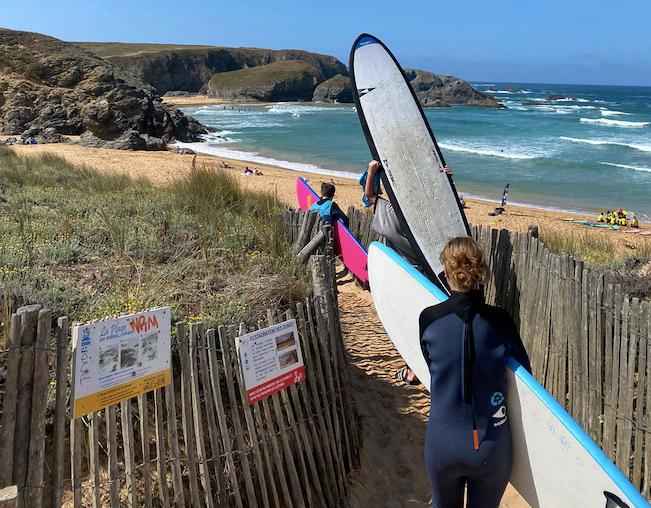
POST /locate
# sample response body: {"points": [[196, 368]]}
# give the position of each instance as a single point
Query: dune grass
{"points": [[598, 250], [89, 244]]}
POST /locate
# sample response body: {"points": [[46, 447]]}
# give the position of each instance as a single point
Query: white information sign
{"points": [[271, 360], [120, 358]]}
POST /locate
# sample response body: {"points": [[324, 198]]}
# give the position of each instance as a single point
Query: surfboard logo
{"points": [[363, 91], [499, 418]]}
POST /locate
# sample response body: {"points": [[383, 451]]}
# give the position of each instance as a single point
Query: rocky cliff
{"points": [[335, 89], [179, 67], [46, 83], [439, 90], [432, 90], [288, 80]]}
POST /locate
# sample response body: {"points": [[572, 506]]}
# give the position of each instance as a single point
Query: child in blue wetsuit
{"points": [[327, 208], [466, 343]]}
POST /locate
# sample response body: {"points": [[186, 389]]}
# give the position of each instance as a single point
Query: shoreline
{"points": [[162, 168], [186, 101], [252, 158]]}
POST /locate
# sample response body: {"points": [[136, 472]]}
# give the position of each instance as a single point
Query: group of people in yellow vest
{"points": [[619, 218]]}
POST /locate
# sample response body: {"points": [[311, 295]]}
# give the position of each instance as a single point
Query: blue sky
{"points": [[555, 41]]}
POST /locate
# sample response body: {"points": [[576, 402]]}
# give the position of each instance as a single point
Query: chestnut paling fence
{"points": [[195, 442], [590, 344]]}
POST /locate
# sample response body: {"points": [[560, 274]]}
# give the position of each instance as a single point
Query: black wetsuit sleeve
{"points": [[426, 318], [514, 346], [337, 214]]}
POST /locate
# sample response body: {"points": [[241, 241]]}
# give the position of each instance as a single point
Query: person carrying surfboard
{"points": [[466, 344], [327, 208], [385, 221]]}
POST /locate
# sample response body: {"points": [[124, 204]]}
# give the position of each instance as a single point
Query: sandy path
{"points": [[394, 415]]}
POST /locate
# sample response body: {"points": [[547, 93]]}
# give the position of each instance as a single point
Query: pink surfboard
{"points": [[347, 247]]}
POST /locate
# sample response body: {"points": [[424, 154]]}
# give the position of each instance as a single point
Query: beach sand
{"points": [[394, 416], [393, 470], [183, 101], [164, 167]]}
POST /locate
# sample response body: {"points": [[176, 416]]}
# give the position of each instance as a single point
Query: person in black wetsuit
{"points": [[466, 343]]}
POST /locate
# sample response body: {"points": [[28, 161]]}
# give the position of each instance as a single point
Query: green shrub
{"points": [[90, 245]]}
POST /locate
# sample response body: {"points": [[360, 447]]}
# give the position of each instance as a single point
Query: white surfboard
{"points": [[399, 137], [555, 463]]}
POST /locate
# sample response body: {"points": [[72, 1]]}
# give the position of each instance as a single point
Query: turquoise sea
{"points": [[590, 150]]}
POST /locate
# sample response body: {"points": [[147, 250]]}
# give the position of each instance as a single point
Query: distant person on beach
{"points": [[247, 171], [466, 344], [327, 208]]}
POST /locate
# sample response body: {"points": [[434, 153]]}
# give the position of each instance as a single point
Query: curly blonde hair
{"points": [[465, 263]]}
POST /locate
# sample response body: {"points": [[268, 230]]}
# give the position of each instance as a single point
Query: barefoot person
{"points": [[466, 343], [386, 223]]}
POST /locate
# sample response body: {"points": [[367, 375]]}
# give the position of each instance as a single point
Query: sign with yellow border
{"points": [[117, 359]]}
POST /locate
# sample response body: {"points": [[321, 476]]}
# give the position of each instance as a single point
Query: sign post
{"points": [[117, 359], [271, 360]]}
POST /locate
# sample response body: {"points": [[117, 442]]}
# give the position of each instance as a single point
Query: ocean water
{"points": [[589, 151]]}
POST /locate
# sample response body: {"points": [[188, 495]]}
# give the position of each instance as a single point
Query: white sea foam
{"points": [[643, 147], [520, 154], [241, 155], [613, 123], [572, 99], [559, 110], [220, 137], [608, 112], [627, 166], [294, 108], [501, 91]]}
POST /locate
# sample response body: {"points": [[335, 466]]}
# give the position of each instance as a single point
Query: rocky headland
{"points": [[50, 87]]}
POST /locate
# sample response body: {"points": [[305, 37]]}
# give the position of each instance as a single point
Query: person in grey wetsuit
{"points": [[386, 223], [466, 344]]}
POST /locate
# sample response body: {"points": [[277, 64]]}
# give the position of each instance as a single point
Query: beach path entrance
{"points": [[393, 414]]}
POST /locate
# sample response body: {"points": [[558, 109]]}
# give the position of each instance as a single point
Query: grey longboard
{"points": [[399, 137]]}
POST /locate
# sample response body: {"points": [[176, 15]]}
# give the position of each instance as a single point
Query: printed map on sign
{"points": [[120, 358], [271, 360]]}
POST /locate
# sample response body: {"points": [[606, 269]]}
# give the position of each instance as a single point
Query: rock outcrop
{"points": [[440, 90], [432, 90], [180, 67], [288, 80], [48, 85], [335, 89]]}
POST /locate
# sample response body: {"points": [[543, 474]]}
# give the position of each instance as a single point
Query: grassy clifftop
{"points": [[169, 67], [285, 80]]}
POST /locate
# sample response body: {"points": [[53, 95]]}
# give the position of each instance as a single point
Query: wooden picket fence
{"points": [[590, 344], [193, 443]]}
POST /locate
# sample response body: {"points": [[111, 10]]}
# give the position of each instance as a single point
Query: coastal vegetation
{"points": [[625, 262], [286, 80], [90, 244]]}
